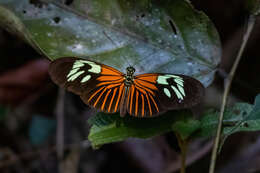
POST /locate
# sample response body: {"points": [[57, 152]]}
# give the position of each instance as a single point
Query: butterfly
{"points": [[109, 90]]}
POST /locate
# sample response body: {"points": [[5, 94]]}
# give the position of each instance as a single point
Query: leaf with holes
{"points": [[170, 37], [165, 37]]}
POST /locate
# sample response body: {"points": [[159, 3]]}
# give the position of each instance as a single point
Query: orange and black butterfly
{"points": [[110, 90]]}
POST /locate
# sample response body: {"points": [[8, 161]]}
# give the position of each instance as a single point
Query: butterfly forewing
{"points": [[99, 86]]}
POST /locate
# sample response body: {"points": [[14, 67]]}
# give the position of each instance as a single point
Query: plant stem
{"points": [[183, 145], [227, 85]]}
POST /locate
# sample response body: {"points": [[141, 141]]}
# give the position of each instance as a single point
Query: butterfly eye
{"points": [[130, 70]]}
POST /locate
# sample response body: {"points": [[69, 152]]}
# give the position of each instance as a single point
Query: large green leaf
{"points": [[166, 36]]}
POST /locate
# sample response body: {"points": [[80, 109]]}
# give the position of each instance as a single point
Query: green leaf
{"points": [[250, 121], [107, 128], [255, 113], [186, 127], [170, 36], [232, 115], [240, 117]]}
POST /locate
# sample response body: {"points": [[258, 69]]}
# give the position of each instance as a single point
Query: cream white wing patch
{"points": [[167, 92], [75, 72], [85, 79], [179, 90]]}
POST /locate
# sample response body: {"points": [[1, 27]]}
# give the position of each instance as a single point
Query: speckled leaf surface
{"points": [[165, 36]]}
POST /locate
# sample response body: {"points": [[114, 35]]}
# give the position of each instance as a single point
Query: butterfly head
{"points": [[130, 71]]}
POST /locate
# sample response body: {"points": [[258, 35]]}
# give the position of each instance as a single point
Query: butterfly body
{"points": [[129, 77], [110, 90]]}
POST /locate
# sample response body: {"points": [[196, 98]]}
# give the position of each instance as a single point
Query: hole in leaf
{"points": [[245, 124], [36, 3], [68, 2], [56, 19], [140, 16], [173, 27]]}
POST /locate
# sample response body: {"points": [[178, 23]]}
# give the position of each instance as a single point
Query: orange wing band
{"points": [[131, 99], [149, 77], [106, 70], [109, 78], [95, 93], [105, 99], [112, 99], [136, 103], [119, 96]]}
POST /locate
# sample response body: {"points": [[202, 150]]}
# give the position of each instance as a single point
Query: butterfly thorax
{"points": [[129, 76]]}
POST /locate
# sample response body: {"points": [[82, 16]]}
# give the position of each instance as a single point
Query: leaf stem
{"points": [[183, 145], [227, 85]]}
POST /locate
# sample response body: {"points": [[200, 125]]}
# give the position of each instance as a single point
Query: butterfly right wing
{"points": [[98, 85], [154, 93]]}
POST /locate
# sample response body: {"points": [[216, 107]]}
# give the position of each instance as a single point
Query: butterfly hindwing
{"points": [[105, 98], [99, 86], [143, 98]]}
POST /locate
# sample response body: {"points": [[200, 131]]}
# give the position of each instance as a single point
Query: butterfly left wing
{"points": [[154, 93], [98, 85]]}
